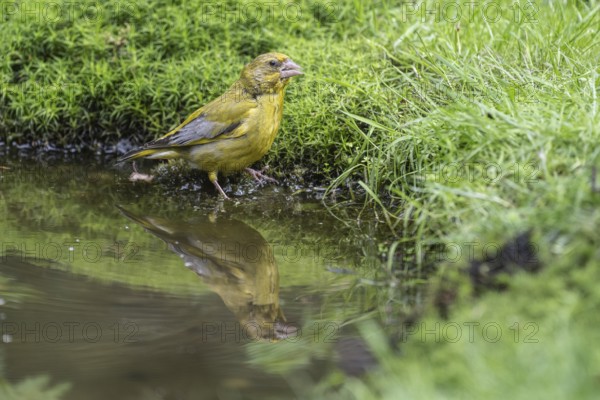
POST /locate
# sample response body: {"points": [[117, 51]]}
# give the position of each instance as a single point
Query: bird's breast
{"points": [[270, 112]]}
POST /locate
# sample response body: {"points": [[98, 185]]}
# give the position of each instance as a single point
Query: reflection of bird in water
{"points": [[235, 261]]}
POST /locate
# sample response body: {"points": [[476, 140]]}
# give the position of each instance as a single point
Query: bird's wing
{"points": [[223, 118]]}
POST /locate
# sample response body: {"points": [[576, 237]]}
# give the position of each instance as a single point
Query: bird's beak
{"points": [[289, 69]]}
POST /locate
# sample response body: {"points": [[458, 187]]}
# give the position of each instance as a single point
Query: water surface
{"points": [[161, 290]]}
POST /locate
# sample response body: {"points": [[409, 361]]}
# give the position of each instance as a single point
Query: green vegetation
{"points": [[33, 388], [461, 132]]}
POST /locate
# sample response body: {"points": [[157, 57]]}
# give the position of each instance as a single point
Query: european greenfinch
{"points": [[234, 130]]}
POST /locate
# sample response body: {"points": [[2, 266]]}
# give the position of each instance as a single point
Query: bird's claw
{"points": [[259, 176], [137, 176]]}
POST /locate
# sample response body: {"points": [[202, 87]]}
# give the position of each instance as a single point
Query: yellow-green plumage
{"points": [[236, 129]]}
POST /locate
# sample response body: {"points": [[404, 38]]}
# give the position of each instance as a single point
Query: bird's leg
{"points": [[259, 176], [212, 175]]}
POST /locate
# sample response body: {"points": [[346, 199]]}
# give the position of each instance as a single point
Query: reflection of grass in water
{"points": [[71, 206], [13, 292], [33, 389], [287, 355], [280, 357]]}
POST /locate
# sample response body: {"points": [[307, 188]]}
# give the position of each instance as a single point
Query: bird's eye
{"points": [[273, 63]]}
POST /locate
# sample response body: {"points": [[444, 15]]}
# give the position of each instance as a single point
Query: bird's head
{"points": [[269, 73]]}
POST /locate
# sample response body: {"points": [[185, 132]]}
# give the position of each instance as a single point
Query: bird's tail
{"points": [[157, 152]]}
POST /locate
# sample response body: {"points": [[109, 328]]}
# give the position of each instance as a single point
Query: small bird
{"points": [[234, 130]]}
